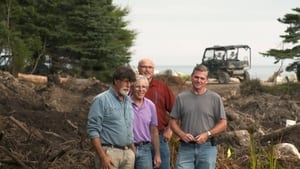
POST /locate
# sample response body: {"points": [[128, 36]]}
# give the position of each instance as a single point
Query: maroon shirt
{"points": [[163, 98]]}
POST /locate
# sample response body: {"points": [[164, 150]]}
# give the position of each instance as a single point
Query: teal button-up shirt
{"points": [[111, 119]]}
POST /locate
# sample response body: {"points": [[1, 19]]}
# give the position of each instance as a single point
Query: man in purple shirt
{"points": [[144, 126]]}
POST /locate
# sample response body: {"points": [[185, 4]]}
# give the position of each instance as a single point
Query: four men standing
{"points": [[120, 134]]}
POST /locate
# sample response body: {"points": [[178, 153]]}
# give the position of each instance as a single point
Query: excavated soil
{"points": [[44, 125]]}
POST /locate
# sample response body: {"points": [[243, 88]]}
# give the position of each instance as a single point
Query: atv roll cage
{"points": [[229, 61]]}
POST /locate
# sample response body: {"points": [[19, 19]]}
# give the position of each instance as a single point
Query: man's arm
{"points": [[170, 100], [219, 127], [155, 142], [168, 132], [105, 159]]}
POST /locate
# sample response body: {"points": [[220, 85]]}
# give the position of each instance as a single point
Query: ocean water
{"points": [[262, 72]]}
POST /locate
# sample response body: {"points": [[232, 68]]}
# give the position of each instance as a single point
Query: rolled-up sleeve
{"points": [[95, 117]]}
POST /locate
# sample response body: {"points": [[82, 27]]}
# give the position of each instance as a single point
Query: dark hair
{"points": [[200, 67], [124, 72]]}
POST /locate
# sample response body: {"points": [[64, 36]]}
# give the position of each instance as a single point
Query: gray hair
{"points": [[141, 77]]}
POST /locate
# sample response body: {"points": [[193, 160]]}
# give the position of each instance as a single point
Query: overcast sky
{"points": [[176, 32]]}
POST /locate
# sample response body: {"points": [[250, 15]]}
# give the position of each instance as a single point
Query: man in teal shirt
{"points": [[110, 123]]}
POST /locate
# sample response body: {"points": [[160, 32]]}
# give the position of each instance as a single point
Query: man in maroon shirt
{"points": [[163, 98]]}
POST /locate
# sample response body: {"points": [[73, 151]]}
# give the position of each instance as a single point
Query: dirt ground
{"points": [[44, 125]]}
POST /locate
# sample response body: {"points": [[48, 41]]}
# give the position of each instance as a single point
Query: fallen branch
{"points": [[33, 78], [277, 134], [20, 124], [35, 133], [14, 157], [72, 125], [54, 134], [14, 162], [59, 153]]}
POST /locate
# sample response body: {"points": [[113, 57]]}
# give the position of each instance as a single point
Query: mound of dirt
{"points": [[44, 125]]}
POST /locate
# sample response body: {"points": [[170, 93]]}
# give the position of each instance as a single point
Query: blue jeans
{"points": [[143, 157], [164, 152], [196, 156]]}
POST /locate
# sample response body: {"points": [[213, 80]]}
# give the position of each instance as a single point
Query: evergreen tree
{"points": [[86, 38], [11, 42], [292, 38], [96, 37]]}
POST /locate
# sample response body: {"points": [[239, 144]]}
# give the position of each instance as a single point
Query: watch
{"points": [[209, 134]]}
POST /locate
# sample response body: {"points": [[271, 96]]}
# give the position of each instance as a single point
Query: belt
{"points": [[192, 142], [116, 146], [141, 143]]}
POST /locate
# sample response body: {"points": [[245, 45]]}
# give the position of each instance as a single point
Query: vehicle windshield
{"points": [[214, 54], [241, 54]]}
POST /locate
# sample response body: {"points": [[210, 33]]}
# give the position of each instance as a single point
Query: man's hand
{"points": [[187, 137], [167, 134], [107, 163], [202, 138], [156, 161]]}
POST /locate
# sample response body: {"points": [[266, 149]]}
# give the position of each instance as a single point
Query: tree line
{"points": [[84, 38], [87, 38]]}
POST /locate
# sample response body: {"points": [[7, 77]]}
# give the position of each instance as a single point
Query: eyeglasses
{"points": [[140, 87], [146, 67]]}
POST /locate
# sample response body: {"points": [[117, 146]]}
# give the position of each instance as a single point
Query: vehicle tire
{"points": [[246, 76], [223, 77]]}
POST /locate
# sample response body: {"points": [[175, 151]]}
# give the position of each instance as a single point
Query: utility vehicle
{"points": [[229, 61]]}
